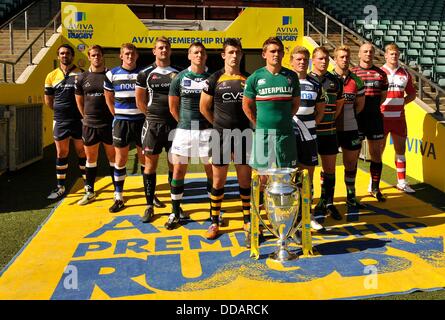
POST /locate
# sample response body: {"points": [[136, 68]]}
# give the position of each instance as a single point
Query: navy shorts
{"points": [[92, 136], [127, 131], [66, 129], [327, 145], [349, 140]]}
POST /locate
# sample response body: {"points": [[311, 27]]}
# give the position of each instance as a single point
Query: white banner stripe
{"points": [[392, 114], [177, 196], [120, 178]]}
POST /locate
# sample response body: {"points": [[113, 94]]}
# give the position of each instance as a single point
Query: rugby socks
{"points": [[82, 162], [209, 188], [170, 177], [401, 168], [245, 200], [328, 187], [91, 173], [149, 187], [111, 168], [177, 192], [216, 198], [61, 168], [350, 183], [120, 174], [376, 173], [142, 168]]}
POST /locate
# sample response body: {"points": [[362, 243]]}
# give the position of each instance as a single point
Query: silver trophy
{"points": [[281, 204]]}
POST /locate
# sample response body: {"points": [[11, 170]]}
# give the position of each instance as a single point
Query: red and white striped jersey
{"points": [[400, 81]]}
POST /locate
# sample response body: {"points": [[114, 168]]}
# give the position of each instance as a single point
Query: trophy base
{"points": [[283, 255]]}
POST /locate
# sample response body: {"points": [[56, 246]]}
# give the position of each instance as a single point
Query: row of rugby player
{"points": [[306, 114]]}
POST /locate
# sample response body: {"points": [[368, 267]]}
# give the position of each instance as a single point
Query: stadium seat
{"points": [[404, 39], [440, 53], [428, 53], [412, 57], [431, 45], [440, 61], [415, 45], [441, 45], [439, 73]]}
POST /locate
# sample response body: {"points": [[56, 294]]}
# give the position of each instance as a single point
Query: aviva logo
{"points": [[80, 16], [425, 148], [287, 20]]}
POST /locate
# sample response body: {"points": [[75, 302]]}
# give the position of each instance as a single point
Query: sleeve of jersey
{"points": [[108, 84], [296, 92], [210, 85], [385, 84], [141, 80], [249, 89], [49, 90], [360, 86], [340, 90], [174, 87], [78, 89], [409, 86]]}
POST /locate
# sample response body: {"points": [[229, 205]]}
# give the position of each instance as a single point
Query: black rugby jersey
{"points": [[61, 87], [156, 80], [227, 91], [90, 85]]}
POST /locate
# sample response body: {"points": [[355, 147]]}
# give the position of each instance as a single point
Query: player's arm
{"points": [[410, 90], [296, 101], [80, 104], [339, 106], [384, 88], [173, 104], [319, 111], [109, 99], [79, 95], [205, 106], [249, 108], [359, 104], [141, 99], [49, 92]]}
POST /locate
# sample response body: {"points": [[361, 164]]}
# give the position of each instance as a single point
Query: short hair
{"points": [[342, 48], [234, 42], [301, 50], [392, 46], [163, 40], [196, 44], [367, 43], [320, 49], [66, 46], [96, 47], [128, 46], [273, 40]]}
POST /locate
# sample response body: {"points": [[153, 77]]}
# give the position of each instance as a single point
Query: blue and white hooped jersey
{"points": [[123, 83]]}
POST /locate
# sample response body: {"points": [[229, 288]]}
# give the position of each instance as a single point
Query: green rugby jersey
{"points": [[188, 86], [273, 94], [332, 89]]}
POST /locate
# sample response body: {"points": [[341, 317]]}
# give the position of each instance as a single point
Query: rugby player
{"points": [[309, 114], [152, 87], [347, 128], [67, 124], [221, 105], [128, 120], [370, 120], [271, 98], [326, 130], [393, 109], [97, 119], [191, 138]]}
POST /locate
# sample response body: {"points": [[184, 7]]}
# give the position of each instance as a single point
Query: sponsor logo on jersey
{"points": [[261, 81]]}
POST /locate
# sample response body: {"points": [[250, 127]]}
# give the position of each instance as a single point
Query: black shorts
{"points": [[327, 145], [370, 126], [66, 129], [306, 150], [92, 136], [127, 131], [155, 137], [349, 140], [231, 147]]}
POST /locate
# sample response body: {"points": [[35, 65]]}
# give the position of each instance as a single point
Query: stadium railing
{"points": [[421, 80]]}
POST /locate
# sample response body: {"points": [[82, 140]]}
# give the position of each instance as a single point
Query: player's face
{"points": [[392, 56], [65, 56], [162, 51], [300, 62], [232, 56], [197, 56], [342, 59], [366, 53], [320, 61], [96, 58], [273, 55], [129, 58]]}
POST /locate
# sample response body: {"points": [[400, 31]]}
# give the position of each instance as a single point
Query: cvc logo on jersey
{"points": [[286, 32], [76, 24]]}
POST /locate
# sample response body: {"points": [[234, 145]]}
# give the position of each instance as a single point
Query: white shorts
{"points": [[191, 143]]}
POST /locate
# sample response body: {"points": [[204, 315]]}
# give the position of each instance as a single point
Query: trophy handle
{"points": [[256, 182]]}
